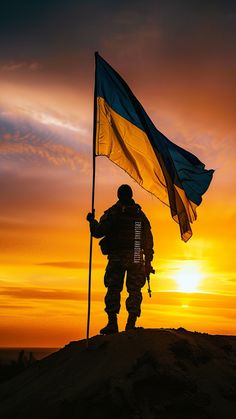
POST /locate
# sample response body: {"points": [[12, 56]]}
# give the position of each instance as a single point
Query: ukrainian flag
{"points": [[128, 137]]}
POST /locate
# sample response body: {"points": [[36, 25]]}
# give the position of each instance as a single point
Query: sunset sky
{"points": [[179, 59]]}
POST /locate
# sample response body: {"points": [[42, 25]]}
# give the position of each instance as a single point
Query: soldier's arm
{"points": [[102, 227]]}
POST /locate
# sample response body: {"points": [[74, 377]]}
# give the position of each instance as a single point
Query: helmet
{"points": [[124, 193]]}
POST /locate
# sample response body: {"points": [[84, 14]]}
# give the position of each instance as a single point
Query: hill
{"points": [[141, 374]]}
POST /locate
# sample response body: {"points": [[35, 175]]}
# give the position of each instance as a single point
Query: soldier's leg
{"points": [[113, 280], [135, 280]]}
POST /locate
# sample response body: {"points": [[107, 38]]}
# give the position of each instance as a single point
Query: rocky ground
{"points": [[141, 374]]}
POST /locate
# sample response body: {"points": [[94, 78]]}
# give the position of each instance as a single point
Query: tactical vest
{"points": [[125, 238]]}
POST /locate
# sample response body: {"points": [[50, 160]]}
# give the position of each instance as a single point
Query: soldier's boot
{"points": [[112, 326], [131, 322]]}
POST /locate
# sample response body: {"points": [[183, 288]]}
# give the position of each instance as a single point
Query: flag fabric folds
{"points": [[128, 137]]}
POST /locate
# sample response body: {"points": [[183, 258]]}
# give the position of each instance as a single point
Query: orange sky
{"points": [[182, 71]]}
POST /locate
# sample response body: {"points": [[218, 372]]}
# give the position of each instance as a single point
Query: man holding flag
{"points": [[128, 242], [125, 134]]}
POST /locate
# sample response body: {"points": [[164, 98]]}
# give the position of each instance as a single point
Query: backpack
{"points": [[104, 245]]}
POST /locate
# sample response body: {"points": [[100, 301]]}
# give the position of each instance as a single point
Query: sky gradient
{"points": [[179, 60]]}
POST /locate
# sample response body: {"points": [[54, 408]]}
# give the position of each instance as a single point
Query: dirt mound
{"points": [[145, 373]]}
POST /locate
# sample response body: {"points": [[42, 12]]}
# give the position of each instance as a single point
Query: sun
{"points": [[188, 277]]}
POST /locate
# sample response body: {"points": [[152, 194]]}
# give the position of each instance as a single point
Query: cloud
{"points": [[13, 67], [15, 307], [49, 119], [25, 140], [55, 154], [71, 265], [48, 294], [195, 300]]}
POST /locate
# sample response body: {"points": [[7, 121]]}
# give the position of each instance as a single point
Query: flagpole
{"points": [[92, 207]]}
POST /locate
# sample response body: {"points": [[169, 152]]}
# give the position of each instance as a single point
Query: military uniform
{"points": [[128, 242]]}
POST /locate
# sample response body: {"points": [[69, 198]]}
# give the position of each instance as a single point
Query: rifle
{"points": [[152, 271]]}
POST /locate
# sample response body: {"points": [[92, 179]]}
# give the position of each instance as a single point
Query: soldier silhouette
{"points": [[128, 242]]}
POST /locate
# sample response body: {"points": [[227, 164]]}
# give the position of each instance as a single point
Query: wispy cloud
{"points": [[15, 307], [32, 137], [195, 300], [50, 119], [47, 294], [56, 154], [71, 265], [12, 67]]}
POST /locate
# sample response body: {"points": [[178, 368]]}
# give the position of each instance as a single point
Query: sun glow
{"points": [[188, 277]]}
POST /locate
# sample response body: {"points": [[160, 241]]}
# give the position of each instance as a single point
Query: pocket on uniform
{"points": [[114, 274], [108, 273], [142, 276]]}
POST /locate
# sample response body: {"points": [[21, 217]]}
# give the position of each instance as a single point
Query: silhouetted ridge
{"points": [[144, 373]]}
